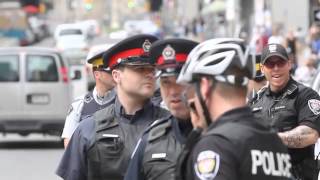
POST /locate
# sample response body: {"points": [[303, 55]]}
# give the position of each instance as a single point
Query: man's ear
{"points": [[116, 75], [262, 68], [205, 89], [96, 74]]}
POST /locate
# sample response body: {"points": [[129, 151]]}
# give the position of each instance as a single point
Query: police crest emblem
{"points": [[207, 165], [314, 106], [168, 53], [272, 48], [146, 45]]}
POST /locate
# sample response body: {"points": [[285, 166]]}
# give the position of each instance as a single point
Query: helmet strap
{"points": [[203, 105]]}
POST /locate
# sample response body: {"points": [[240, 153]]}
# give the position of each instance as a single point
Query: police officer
{"points": [[258, 81], [158, 149], [100, 97], [101, 146], [289, 108], [235, 145]]}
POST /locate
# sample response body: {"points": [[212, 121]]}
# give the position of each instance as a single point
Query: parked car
{"points": [[72, 40], [68, 29], [74, 47], [35, 90], [133, 27], [91, 27]]}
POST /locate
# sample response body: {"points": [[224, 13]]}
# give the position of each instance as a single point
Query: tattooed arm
{"points": [[299, 137]]}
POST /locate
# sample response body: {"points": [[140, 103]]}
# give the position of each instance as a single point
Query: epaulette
{"points": [[158, 128], [259, 94], [291, 89]]}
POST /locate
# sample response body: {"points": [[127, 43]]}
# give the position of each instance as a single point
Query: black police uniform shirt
{"points": [[295, 105], [101, 146], [238, 147], [157, 152]]}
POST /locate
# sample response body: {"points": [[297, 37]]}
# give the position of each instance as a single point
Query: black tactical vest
{"points": [[90, 106], [260, 154], [161, 152], [114, 143]]}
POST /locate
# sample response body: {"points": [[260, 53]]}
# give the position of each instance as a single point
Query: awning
{"points": [[31, 9], [215, 7]]}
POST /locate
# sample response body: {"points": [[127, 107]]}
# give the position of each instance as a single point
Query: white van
{"points": [[35, 90]]}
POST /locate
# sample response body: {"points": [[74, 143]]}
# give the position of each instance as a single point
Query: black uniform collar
{"points": [[144, 113], [241, 113], [182, 128], [289, 88]]}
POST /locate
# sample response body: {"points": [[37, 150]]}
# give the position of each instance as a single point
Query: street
{"points": [[34, 157]]}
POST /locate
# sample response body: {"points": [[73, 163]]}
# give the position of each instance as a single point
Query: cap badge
{"points": [[146, 45], [272, 48], [168, 53]]}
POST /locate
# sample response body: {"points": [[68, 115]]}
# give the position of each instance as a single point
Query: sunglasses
{"points": [[271, 64], [102, 70]]}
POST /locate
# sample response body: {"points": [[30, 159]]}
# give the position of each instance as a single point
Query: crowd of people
{"points": [[223, 113]]}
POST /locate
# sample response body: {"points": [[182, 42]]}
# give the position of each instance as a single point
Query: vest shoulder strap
{"points": [[105, 118], [159, 126], [159, 129], [258, 95]]}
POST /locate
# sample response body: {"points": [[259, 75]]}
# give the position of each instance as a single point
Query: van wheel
{"points": [[24, 133]]}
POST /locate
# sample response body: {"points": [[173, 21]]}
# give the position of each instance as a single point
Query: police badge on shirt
{"points": [[207, 165]]}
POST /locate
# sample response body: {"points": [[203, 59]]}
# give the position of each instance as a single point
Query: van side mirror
{"points": [[76, 75]]}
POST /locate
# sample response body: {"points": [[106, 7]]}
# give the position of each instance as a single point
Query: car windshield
{"points": [[70, 32]]}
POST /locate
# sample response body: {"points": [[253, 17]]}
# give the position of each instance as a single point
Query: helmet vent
{"points": [[216, 61]]}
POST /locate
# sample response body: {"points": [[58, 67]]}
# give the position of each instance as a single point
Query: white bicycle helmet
{"points": [[214, 57]]}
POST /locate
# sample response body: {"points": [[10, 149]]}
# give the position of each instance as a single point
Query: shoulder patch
{"points": [[314, 106], [207, 165], [257, 96], [292, 88]]}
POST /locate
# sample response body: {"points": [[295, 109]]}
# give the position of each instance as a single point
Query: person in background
{"points": [[291, 45], [307, 71], [258, 81], [100, 97]]}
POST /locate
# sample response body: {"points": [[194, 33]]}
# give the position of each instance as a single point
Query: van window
{"points": [[41, 68], [70, 32], [9, 68]]}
